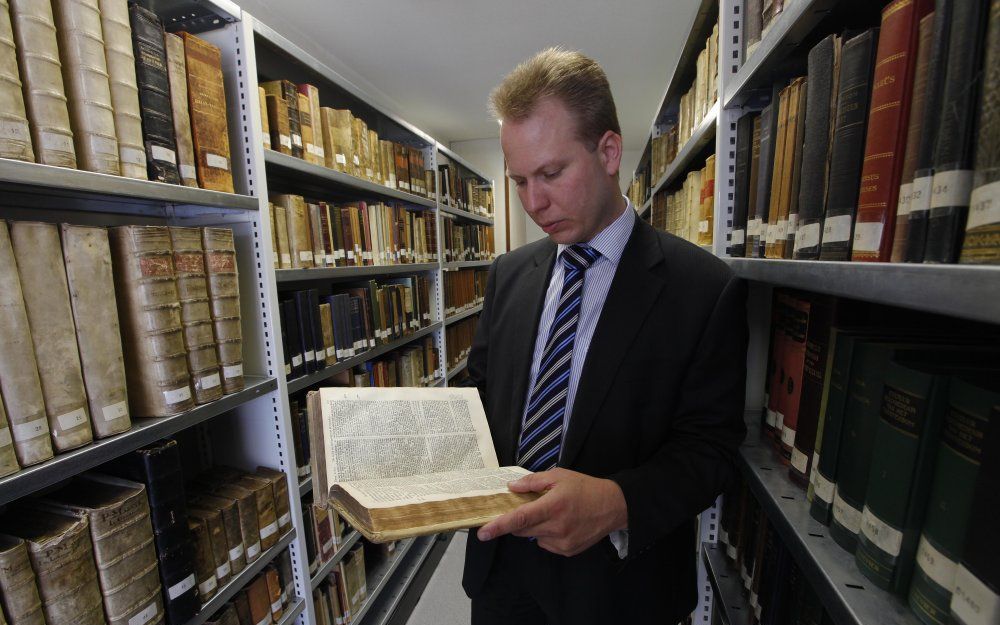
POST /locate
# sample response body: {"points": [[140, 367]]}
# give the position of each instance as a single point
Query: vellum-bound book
{"points": [[15, 139], [124, 88], [397, 463], [177, 73], [18, 588], [224, 291]]}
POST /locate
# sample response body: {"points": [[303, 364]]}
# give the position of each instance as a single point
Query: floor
{"points": [[443, 601]]}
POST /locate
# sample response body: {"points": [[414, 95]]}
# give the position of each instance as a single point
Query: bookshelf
{"points": [[731, 606]]}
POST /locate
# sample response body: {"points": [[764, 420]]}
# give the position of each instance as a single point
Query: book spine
{"points": [[207, 106], [319, 148], [265, 126], [124, 89], [177, 73], [284, 256], [768, 136], [18, 586], [299, 237], [277, 120], [15, 141], [89, 275], [224, 291], [814, 377], [154, 95], [309, 137]]}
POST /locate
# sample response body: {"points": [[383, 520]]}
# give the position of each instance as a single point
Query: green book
{"points": [[959, 453]]}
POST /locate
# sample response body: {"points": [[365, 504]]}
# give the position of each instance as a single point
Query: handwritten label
{"points": [[210, 381], [286, 259], [297, 140], [189, 172], [799, 460], [269, 530], [31, 429], [236, 553], [276, 607], [72, 419], [296, 360], [216, 161], [823, 488], [285, 519], [145, 616], [867, 236], [886, 538], [951, 188], [305, 255], [223, 571], [161, 153], [846, 514], [807, 236], [207, 586], [984, 206], [181, 587], [253, 551], [905, 194], [972, 601], [132, 156], [936, 565], [787, 435], [177, 395], [837, 229], [285, 140], [57, 142], [737, 237], [341, 159]]}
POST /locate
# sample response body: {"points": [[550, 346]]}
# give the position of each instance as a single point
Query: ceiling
{"points": [[434, 62]]}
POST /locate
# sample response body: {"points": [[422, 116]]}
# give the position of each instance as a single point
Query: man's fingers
{"points": [[513, 522], [534, 483]]}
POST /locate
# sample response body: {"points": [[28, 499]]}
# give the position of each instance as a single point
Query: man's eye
{"points": [[518, 183], [552, 174]]}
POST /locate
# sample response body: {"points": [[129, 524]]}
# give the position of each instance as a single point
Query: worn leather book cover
{"points": [[786, 246], [196, 313], [326, 234], [315, 115], [274, 592], [177, 73], [53, 333], [336, 124], [753, 223], [744, 136], [316, 235], [287, 91], [265, 126], [149, 312], [85, 74], [778, 174], [246, 502], [42, 82], [229, 509], [326, 323], [848, 145], [259, 600], [267, 520], [63, 560], [16, 140], [204, 562], [706, 215], [387, 154], [415, 160], [768, 132], [177, 575], [306, 128], [287, 577], [19, 382], [89, 274], [224, 291], [218, 541], [888, 118], [207, 107], [359, 134], [122, 537], [281, 234], [18, 587], [277, 121], [124, 89], [242, 606], [279, 488], [154, 95], [374, 157], [299, 234]]}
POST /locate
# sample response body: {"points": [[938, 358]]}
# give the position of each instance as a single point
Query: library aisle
{"points": [[443, 601]]}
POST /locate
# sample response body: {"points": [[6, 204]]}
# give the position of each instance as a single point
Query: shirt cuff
{"points": [[619, 538]]}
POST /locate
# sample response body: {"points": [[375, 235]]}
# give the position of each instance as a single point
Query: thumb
{"points": [[534, 483]]}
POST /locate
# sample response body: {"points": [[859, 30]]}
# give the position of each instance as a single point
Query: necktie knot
{"points": [[579, 256]]}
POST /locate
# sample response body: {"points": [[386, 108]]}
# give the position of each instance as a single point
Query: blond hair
{"points": [[574, 79]]}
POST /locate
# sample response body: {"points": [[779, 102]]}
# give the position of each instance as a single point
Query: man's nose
{"points": [[535, 197]]}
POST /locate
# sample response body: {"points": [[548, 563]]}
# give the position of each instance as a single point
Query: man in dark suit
{"points": [[611, 359]]}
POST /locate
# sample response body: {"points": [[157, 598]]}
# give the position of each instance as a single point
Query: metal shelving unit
{"points": [[732, 606], [305, 485], [341, 273], [327, 567], [292, 613], [475, 310], [466, 264], [458, 368], [380, 607], [458, 212], [383, 586], [700, 137]]}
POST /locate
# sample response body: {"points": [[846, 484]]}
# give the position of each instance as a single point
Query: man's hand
{"points": [[575, 511]]}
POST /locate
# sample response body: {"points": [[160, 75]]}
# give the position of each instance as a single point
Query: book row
{"points": [[341, 597], [265, 599], [888, 422], [886, 150], [321, 330], [133, 544], [467, 192], [464, 289], [467, 241], [306, 234], [458, 338], [97, 85], [105, 324], [689, 211], [757, 19], [638, 189]]}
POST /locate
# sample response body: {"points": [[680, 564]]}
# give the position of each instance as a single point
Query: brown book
{"points": [[207, 106], [402, 167], [265, 126], [196, 314], [16, 140], [316, 236], [337, 127], [63, 560], [276, 257], [277, 120], [226, 616], [204, 562], [87, 254], [787, 246], [299, 234], [121, 534], [326, 234], [359, 136], [242, 605], [287, 91], [224, 291], [374, 157], [124, 88], [321, 608], [149, 312], [18, 587], [219, 542], [19, 382], [309, 136], [229, 509], [778, 174], [267, 519], [705, 219], [281, 234], [42, 81], [416, 165], [38, 253], [312, 106], [259, 600], [387, 154], [279, 487], [85, 72], [246, 502], [326, 324], [274, 592], [326, 542], [177, 71]]}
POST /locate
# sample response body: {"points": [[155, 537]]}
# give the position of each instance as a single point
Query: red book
{"points": [[793, 365], [888, 117]]}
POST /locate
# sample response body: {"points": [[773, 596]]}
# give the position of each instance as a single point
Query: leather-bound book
{"points": [[16, 140], [122, 537], [768, 132], [63, 560], [207, 106], [848, 145], [888, 119], [267, 520], [913, 133], [265, 126], [293, 333], [277, 121], [274, 592], [309, 137], [744, 135], [297, 225], [85, 73], [374, 157], [287, 576], [218, 541], [778, 175], [204, 562], [124, 89], [246, 502], [154, 95], [18, 587], [227, 615], [224, 291], [259, 600], [149, 312], [230, 512], [177, 73], [363, 149], [287, 91], [982, 228], [279, 487], [316, 235], [42, 82], [318, 154], [387, 154], [196, 314], [402, 167], [19, 381], [281, 234], [923, 175], [707, 208], [50, 316], [336, 124], [792, 201], [326, 324], [753, 223], [87, 254]]}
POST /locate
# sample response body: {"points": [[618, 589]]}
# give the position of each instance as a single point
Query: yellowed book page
{"points": [[417, 489]]}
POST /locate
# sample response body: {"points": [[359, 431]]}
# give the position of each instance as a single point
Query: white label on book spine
{"points": [[161, 153], [905, 193], [813, 470], [310, 355], [189, 172], [288, 370], [5, 439], [108, 145], [297, 140], [973, 602], [341, 354], [177, 395], [867, 236], [357, 161], [232, 371], [253, 550], [951, 188], [781, 232], [57, 141], [920, 194], [181, 587], [799, 460], [807, 236], [297, 360], [703, 226], [936, 565], [328, 545], [276, 607], [753, 227], [265, 621], [145, 616], [135, 156], [269, 530], [350, 254], [846, 514], [207, 586], [285, 519], [210, 381], [341, 159], [888, 539], [737, 237], [793, 224], [331, 351], [369, 173], [222, 571], [310, 148], [320, 152], [286, 141], [837, 229], [984, 206], [787, 435], [14, 131], [305, 255], [823, 487], [286, 259], [72, 419], [216, 161], [772, 418], [236, 553]]}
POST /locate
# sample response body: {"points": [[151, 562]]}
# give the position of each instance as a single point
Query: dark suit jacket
{"points": [[659, 404]]}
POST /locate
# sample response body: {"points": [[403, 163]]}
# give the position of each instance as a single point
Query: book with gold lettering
{"points": [[207, 106], [177, 72], [124, 88], [16, 140]]}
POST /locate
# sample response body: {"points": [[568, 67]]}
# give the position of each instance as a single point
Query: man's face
{"points": [[569, 191]]}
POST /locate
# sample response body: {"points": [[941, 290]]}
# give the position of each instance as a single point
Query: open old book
{"points": [[402, 462]]}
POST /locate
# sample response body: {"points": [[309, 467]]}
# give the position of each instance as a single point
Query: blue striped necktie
{"points": [[541, 434]]}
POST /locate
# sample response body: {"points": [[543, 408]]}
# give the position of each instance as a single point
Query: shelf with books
{"points": [[283, 276], [474, 310], [466, 264], [195, 17], [293, 612], [848, 596], [237, 583], [295, 170], [452, 156], [327, 567], [387, 586], [144, 431], [391, 595], [462, 364], [702, 136], [479, 219], [963, 291], [730, 603], [305, 485], [297, 384]]}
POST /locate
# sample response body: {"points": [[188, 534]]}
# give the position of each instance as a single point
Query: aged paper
{"points": [[392, 492]]}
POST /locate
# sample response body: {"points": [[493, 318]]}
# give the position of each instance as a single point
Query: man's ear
{"points": [[609, 147]]}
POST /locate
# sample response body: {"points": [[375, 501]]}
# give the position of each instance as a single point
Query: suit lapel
{"points": [[633, 291]]}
